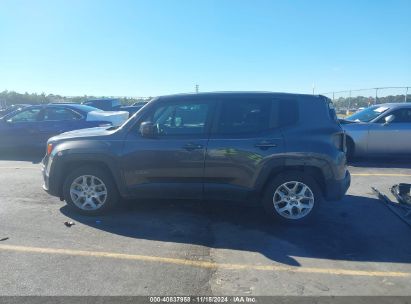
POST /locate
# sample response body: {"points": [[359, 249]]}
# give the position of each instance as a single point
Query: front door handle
{"points": [[192, 146], [265, 145]]}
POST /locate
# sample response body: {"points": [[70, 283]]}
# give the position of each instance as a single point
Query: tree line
{"points": [[363, 101], [8, 98]]}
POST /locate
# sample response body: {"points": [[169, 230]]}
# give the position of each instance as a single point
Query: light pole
{"points": [[376, 95], [349, 104]]}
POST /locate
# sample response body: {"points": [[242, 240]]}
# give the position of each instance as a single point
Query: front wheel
{"points": [[90, 190], [292, 197]]}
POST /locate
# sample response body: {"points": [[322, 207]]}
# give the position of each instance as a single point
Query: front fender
{"points": [[70, 154], [358, 132]]}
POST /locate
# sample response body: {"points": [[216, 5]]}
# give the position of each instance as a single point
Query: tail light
{"points": [[49, 148], [339, 141]]}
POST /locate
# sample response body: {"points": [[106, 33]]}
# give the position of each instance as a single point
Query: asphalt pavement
{"points": [[356, 246]]}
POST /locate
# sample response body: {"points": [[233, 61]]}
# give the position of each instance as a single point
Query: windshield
{"points": [[367, 114]]}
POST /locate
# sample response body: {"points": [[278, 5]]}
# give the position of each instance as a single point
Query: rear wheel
{"points": [[90, 190], [292, 197]]}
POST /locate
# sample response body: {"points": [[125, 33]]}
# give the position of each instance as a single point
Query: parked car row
{"points": [[113, 104], [285, 151], [30, 127]]}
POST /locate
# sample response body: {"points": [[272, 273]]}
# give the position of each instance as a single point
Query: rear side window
{"points": [[289, 112], [245, 115], [401, 116], [58, 114]]}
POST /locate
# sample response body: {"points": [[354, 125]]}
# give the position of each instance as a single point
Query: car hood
{"points": [[346, 121], [355, 127], [82, 133]]}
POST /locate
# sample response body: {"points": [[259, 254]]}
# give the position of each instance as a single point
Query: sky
{"points": [[156, 47]]}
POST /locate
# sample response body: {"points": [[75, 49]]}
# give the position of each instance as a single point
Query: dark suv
{"points": [[285, 151]]}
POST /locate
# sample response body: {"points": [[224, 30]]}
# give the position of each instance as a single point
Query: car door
{"points": [[245, 134], [393, 137], [21, 129], [57, 120], [170, 164]]}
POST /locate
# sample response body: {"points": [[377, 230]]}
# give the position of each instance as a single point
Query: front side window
{"points": [[30, 115], [57, 114], [247, 116], [401, 116], [181, 118]]}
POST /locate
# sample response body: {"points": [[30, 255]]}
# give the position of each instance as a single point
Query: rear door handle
{"points": [[192, 146], [266, 144]]}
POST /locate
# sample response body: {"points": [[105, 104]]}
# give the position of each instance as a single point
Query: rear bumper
{"points": [[336, 189]]}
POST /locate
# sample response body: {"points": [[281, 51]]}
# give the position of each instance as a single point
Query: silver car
{"points": [[383, 129]]}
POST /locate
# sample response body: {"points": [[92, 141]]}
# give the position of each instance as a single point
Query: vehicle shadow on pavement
{"points": [[33, 157], [355, 229]]}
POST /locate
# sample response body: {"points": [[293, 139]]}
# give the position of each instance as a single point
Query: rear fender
{"points": [[304, 163]]}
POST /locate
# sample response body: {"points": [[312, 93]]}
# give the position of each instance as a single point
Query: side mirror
{"points": [[389, 119], [148, 129]]}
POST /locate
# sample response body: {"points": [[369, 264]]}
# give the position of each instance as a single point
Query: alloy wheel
{"points": [[293, 200], [88, 192]]}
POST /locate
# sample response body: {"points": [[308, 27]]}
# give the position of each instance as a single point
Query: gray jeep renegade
{"points": [[283, 151]]}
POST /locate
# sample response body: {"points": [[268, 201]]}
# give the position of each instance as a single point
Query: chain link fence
{"points": [[349, 101]]}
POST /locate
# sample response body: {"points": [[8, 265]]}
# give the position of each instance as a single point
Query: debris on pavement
{"points": [[69, 224], [381, 196], [4, 239], [402, 193], [401, 208]]}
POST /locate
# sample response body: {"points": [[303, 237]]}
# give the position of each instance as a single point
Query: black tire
{"points": [[289, 177], [112, 194], [350, 149]]}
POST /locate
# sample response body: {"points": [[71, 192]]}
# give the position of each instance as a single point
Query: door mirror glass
{"points": [[389, 119], [148, 129]]}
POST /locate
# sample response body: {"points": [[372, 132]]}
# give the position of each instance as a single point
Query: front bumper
{"points": [[48, 170], [336, 189], [45, 177]]}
